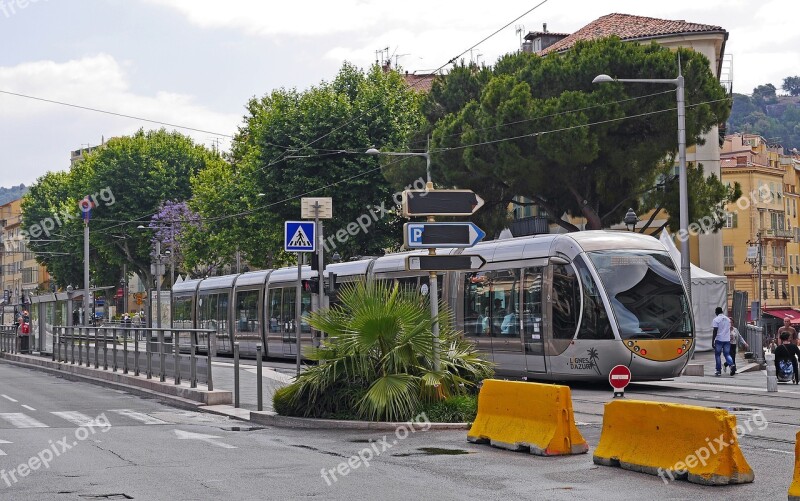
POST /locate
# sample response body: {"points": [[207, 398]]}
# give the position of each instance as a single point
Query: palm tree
{"points": [[593, 356], [377, 361]]}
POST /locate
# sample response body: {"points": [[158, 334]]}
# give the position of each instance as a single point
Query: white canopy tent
{"points": [[708, 292]]}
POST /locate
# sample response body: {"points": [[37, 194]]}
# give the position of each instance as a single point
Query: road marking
{"points": [[28, 407], [76, 418], [778, 450], [21, 420], [138, 416], [210, 439], [8, 398], [2, 453]]}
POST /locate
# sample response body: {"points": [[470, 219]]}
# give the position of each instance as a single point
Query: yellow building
{"points": [[791, 181], [765, 215], [20, 274]]}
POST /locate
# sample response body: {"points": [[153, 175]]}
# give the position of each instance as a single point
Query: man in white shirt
{"points": [[722, 341]]}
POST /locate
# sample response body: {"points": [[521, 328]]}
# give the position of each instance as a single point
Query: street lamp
{"points": [[630, 220], [432, 277], [683, 192], [425, 154]]}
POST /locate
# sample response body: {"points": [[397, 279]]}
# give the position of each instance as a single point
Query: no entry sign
{"points": [[619, 377]]}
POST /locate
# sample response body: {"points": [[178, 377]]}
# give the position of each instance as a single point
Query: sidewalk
{"points": [[271, 379]]}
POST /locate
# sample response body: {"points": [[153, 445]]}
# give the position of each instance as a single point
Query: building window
{"points": [[731, 220], [727, 255]]}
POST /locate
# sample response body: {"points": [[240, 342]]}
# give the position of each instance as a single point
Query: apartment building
{"points": [[764, 218]]}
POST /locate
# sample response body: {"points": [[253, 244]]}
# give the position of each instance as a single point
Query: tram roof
{"points": [[186, 286], [290, 274], [252, 278], [212, 283]]}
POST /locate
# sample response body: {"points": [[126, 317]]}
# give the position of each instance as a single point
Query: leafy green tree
{"points": [[539, 128], [377, 362], [792, 85], [764, 95], [292, 144]]}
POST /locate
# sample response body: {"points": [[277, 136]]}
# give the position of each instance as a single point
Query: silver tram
{"points": [[558, 307]]}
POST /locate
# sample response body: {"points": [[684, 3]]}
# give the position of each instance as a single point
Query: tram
{"points": [[552, 307]]}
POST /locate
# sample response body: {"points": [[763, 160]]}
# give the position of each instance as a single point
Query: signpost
{"points": [[434, 263], [432, 202], [433, 235], [317, 208], [619, 377], [299, 237]]}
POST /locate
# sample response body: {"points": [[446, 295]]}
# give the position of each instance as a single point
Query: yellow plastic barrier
{"points": [[518, 415], [672, 441], [794, 489]]}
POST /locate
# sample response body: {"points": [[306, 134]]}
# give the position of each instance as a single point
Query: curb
{"points": [[270, 418]]}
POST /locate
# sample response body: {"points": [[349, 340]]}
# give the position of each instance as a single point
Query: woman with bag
{"points": [[736, 341], [786, 355]]}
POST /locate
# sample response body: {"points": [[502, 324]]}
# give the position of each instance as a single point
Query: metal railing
{"points": [[755, 338], [157, 342], [8, 339]]}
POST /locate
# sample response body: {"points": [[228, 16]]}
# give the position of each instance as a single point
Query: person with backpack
{"points": [[721, 339], [786, 355]]}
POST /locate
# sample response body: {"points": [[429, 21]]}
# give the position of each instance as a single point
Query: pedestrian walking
{"points": [[787, 327], [721, 338], [736, 341]]}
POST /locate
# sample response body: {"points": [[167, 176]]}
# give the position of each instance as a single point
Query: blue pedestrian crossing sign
{"points": [[299, 236]]}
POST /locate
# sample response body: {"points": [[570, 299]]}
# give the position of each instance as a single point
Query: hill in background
{"points": [[11, 194], [776, 118]]}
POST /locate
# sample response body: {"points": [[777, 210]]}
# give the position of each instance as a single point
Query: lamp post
{"points": [[630, 220], [157, 269], [683, 193], [432, 278]]}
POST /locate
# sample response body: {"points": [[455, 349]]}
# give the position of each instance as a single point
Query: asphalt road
{"points": [[112, 445]]}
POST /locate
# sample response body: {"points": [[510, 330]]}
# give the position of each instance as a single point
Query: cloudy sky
{"points": [[195, 63]]}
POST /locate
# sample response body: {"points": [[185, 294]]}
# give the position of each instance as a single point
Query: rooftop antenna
{"points": [[519, 29]]}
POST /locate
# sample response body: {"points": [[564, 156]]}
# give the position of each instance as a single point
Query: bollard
{"points": [[97, 347], [772, 378], [114, 349], [236, 375], [124, 351], [135, 353], [259, 363], [212, 342], [176, 342], [161, 360], [148, 354], [193, 360]]}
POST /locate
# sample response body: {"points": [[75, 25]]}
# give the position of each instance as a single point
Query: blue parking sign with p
{"points": [[299, 236]]}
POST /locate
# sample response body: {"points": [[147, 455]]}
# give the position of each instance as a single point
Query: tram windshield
{"points": [[645, 293]]}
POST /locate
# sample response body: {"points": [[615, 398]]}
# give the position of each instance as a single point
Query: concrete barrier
{"points": [[527, 416], [672, 441], [794, 489]]}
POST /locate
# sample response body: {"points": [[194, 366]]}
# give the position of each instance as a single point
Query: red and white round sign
{"points": [[619, 377]]}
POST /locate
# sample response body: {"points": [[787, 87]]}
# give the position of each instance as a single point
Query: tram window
{"points": [[408, 283], [505, 303], [424, 281], [221, 314], [532, 304], [208, 312], [305, 310], [476, 304], [182, 312], [247, 311], [275, 310], [287, 312], [594, 324], [565, 301]]}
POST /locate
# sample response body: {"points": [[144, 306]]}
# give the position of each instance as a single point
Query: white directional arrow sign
{"points": [[211, 439], [444, 263], [2, 453], [433, 235]]}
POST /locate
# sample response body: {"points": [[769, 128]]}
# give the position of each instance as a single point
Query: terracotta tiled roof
{"points": [[420, 83], [628, 27]]}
